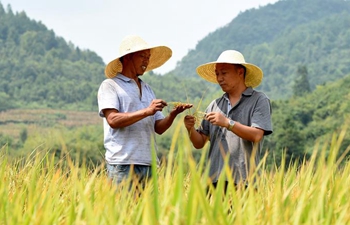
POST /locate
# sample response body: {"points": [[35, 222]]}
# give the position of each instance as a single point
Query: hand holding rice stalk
{"points": [[198, 115], [179, 107]]}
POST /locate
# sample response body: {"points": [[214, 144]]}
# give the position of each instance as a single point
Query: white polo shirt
{"points": [[131, 144]]}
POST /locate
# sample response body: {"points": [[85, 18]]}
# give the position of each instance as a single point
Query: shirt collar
{"points": [[124, 78], [247, 92]]}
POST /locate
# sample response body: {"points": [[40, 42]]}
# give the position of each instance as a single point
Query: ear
{"points": [[241, 72]]}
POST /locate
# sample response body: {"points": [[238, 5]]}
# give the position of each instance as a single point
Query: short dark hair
{"points": [[238, 66]]}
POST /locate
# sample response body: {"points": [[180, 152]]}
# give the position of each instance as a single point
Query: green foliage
{"points": [[5, 140], [5, 102], [301, 85], [83, 145], [301, 121], [23, 135], [39, 68]]}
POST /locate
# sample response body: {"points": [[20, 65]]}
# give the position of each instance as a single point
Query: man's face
{"points": [[140, 60], [229, 76]]}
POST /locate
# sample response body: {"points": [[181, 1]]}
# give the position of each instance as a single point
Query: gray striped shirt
{"points": [[253, 109]]}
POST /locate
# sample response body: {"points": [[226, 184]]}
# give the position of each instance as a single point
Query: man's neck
{"points": [[237, 92], [131, 75]]}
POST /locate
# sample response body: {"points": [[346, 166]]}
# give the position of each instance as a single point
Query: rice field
{"points": [[38, 190], [14, 120]]}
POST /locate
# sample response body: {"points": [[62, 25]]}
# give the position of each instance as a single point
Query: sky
{"points": [[100, 25]]}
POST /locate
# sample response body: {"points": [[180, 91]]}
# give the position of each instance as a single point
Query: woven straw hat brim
{"points": [[254, 74], [159, 55]]}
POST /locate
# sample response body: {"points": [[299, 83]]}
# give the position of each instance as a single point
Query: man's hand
{"points": [[198, 139], [217, 118], [189, 122], [156, 105], [179, 109]]}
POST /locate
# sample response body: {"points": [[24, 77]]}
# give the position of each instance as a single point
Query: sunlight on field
{"points": [[38, 190]]}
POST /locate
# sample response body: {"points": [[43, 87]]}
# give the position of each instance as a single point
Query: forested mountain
{"points": [[39, 69], [312, 117], [278, 38]]}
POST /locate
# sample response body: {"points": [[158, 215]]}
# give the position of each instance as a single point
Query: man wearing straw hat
{"points": [[235, 124], [132, 114]]}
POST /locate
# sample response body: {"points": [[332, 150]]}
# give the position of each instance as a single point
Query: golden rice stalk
{"points": [[199, 116], [176, 104]]}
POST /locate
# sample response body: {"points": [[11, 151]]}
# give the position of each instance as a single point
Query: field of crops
{"points": [[38, 190]]}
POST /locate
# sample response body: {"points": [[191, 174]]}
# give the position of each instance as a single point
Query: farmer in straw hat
{"points": [[132, 114], [235, 124]]}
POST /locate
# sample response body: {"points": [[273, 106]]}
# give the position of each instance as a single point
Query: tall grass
{"points": [[38, 190]]}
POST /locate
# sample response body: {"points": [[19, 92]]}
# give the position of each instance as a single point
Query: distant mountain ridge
{"points": [[278, 37]]}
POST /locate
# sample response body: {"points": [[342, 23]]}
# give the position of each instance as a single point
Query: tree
{"points": [[301, 83], [6, 102], [23, 135]]}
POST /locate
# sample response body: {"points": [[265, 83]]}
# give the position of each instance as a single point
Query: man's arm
{"points": [[252, 134], [117, 119], [248, 133]]}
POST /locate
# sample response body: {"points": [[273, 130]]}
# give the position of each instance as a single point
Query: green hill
{"points": [[39, 69], [280, 37]]}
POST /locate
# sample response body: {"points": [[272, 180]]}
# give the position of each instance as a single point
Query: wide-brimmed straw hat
{"points": [[253, 75], [132, 43]]}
